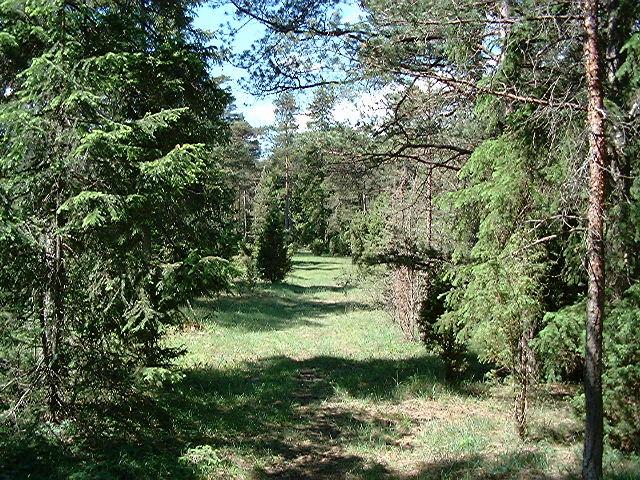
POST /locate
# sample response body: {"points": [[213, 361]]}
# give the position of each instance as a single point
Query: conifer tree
{"points": [[270, 237], [285, 129], [109, 193]]}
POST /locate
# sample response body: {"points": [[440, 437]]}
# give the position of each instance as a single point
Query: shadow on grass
{"points": [[255, 409], [560, 433], [513, 465], [283, 306], [315, 267], [306, 260], [310, 290], [274, 410], [130, 441]]}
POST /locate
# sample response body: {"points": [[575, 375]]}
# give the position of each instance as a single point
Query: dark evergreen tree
{"points": [[109, 193], [272, 256], [272, 260]]}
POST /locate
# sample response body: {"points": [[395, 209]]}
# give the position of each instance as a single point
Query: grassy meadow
{"points": [[307, 379]]}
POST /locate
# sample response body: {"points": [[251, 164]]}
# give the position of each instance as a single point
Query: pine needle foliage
{"points": [[271, 253]]}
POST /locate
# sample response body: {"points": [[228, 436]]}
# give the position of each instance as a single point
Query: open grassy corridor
{"points": [[307, 380]]}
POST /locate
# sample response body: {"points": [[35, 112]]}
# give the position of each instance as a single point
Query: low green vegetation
{"points": [[309, 379]]}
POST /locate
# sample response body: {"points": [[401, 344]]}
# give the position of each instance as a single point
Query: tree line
{"points": [[489, 192]]}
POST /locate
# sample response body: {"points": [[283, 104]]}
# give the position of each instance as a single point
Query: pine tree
{"points": [[240, 157], [272, 257], [285, 129], [594, 424], [310, 198]]}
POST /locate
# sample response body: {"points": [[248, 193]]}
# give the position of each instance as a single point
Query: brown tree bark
{"points": [[52, 325], [592, 456], [525, 372], [245, 215], [287, 195]]}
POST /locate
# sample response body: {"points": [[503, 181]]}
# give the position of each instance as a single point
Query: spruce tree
{"points": [[272, 258], [109, 194]]}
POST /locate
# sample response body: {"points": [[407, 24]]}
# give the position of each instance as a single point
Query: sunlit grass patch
{"points": [[309, 379]]}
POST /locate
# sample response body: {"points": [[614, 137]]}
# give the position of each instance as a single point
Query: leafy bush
{"points": [[621, 379], [339, 245], [318, 247], [246, 263], [195, 276], [560, 344], [439, 336]]}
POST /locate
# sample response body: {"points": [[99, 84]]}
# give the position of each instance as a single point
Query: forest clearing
{"points": [[309, 379], [332, 239]]}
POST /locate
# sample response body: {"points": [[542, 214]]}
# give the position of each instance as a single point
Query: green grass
{"points": [[304, 380]]}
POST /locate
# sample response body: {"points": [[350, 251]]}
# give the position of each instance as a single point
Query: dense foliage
{"points": [[114, 212]]}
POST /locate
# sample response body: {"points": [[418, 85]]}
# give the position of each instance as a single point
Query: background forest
{"points": [[131, 189]]}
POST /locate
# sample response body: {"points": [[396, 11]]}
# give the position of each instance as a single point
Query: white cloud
{"points": [[368, 106], [260, 114], [303, 119], [346, 112]]}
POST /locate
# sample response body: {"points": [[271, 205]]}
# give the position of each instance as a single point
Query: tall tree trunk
{"points": [[504, 11], [287, 195], [430, 208], [525, 370], [52, 324], [592, 457], [245, 217], [618, 29]]}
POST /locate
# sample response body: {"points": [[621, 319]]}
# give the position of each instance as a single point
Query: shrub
{"points": [[621, 379], [437, 335], [339, 245], [560, 347], [318, 247], [560, 344]]}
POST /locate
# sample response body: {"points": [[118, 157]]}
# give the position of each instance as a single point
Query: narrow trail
{"points": [[317, 452]]}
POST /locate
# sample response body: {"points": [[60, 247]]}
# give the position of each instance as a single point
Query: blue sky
{"points": [[258, 111]]}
